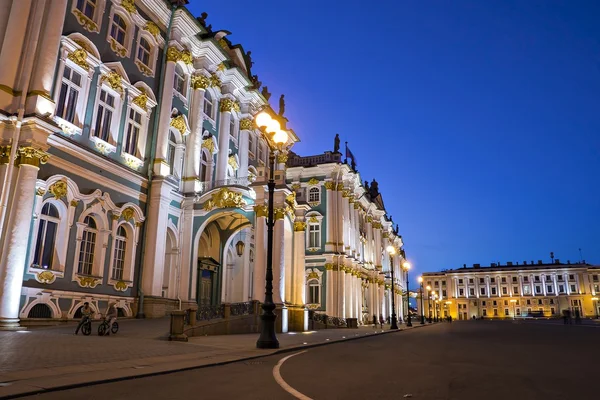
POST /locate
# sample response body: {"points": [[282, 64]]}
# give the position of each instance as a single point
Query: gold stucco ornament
{"points": [[79, 57], [58, 189], [224, 198]]}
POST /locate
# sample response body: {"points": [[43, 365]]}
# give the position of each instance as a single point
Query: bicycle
{"points": [[86, 328], [104, 326]]}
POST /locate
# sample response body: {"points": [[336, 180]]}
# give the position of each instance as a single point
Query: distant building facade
{"points": [[513, 290]]}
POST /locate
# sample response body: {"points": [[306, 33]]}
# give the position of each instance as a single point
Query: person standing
{"points": [[111, 317], [86, 314]]}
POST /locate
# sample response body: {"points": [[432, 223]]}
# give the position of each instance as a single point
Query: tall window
{"points": [[314, 194], [260, 151], [171, 152], [250, 143], [119, 254], [106, 108], [69, 93], [232, 128], [208, 105], [314, 292], [46, 237], [134, 127], [143, 53], [204, 167], [314, 235], [179, 81], [88, 247], [118, 29], [87, 7]]}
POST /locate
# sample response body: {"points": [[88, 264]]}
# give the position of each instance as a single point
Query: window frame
{"points": [[43, 221], [122, 50], [94, 23], [149, 69], [130, 240]]}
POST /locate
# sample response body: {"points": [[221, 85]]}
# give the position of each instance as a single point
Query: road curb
{"points": [[183, 369]]}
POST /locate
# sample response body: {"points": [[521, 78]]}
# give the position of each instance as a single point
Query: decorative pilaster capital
{"points": [[228, 105], [278, 213], [79, 57], [328, 266], [129, 5], [114, 80], [356, 206], [173, 54], [282, 158], [141, 100], [31, 156], [377, 225], [340, 187], [261, 210], [246, 124], [346, 193], [299, 226], [370, 219], [186, 57], [329, 185], [199, 82], [152, 28], [215, 81], [58, 189], [386, 235], [5, 154]]}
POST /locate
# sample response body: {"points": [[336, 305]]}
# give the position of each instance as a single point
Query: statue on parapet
{"points": [[265, 92], [374, 189], [282, 105], [255, 82], [202, 20], [336, 143], [250, 62], [367, 187]]}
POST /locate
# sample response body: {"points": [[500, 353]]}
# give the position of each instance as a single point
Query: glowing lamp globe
{"points": [[273, 126], [280, 137], [406, 265], [262, 119], [420, 279], [391, 250]]}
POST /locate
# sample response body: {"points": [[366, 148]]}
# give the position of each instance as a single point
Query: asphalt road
{"points": [[463, 360]]}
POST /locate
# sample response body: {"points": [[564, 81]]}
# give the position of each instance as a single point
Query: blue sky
{"points": [[479, 119]]}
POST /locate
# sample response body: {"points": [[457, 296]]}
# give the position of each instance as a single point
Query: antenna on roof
{"points": [[580, 255], [552, 256]]}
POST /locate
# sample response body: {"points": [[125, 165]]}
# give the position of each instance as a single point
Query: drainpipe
{"points": [[174, 4]]}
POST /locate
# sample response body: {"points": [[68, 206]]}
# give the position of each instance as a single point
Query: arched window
{"points": [[134, 126], [119, 253], [88, 247], [46, 237], [314, 292], [70, 89], [87, 7], [314, 195], [204, 167], [106, 109], [143, 53], [171, 152], [314, 235], [179, 81], [118, 29], [208, 105]]}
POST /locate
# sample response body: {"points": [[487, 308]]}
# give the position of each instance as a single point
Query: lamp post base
{"points": [[267, 338], [408, 323], [422, 320], [394, 324]]}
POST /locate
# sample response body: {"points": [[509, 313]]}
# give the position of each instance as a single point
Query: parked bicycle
{"points": [[104, 327], [86, 326]]}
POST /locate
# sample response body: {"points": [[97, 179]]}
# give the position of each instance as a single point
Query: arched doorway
{"points": [[169, 289], [223, 267]]}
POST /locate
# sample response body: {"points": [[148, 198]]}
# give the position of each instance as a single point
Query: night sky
{"points": [[479, 119]]}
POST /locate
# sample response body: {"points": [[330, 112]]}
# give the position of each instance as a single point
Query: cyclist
{"points": [[86, 315], [111, 317]]}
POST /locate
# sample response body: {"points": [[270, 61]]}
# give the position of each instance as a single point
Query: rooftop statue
{"points": [[257, 84], [336, 143], [265, 92], [282, 105], [374, 188]]}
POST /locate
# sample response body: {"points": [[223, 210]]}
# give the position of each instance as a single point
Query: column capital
{"points": [[5, 154], [329, 185], [246, 124], [261, 210], [299, 226], [198, 82], [31, 156], [173, 54], [228, 105]]}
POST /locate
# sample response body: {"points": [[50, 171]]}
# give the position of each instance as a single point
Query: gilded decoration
{"points": [[221, 67], [299, 226], [246, 124], [346, 193], [232, 162], [329, 185], [278, 213], [83, 45], [209, 144], [282, 158], [79, 57], [224, 198], [45, 277], [115, 217], [369, 219], [199, 82], [143, 68], [114, 80], [104, 147], [313, 220], [228, 105], [120, 286], [340, 187], [84, 21], [216, 82], [152, 28], [173, 54], [138, 224], [312, 275], [141, 100], [88, 281], [313, 181], [129, 5], [31, 156], [290, 199], [223, 44], [377, 225], [58, 189], [179, 123], [296, 186], [186, 57], [118, 48], [356, 206], [261, 211], [386, 235], [127, 213], [328, 267], [40, 192], [5, 154]]}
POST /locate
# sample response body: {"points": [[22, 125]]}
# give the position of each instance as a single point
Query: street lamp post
{"points": [[513, 301], [406, 267], [422, 311], [392, 250], [436, 309], [595, 300], [276, 138], [429, 318]]}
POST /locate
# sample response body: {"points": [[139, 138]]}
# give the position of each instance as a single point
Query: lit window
{"points": [[171, 152], [573, 288], [143, 53], [314, 292], [118, 29], [119, 253], [314, 235], [314, 195], [46, 237], [106, 108], [88, 247], [132, 135], [504, 291], [204, 167], [87, 7], [69, 94], [178, 80], [208, 105]]}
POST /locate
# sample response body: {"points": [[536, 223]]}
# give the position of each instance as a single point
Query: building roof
{"points": [[494, 267]]}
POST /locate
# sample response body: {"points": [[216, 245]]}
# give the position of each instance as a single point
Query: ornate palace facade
{"points": [[132, 173]]}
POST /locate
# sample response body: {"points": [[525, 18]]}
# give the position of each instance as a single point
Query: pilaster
{"points": [[193, 155]]}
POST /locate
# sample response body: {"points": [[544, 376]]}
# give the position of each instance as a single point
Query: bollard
{"points": [[193, 315], [177, 325]]}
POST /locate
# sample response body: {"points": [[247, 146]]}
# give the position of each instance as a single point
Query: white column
{"points": [[14, 253], [349, 312], [328, 289], [278, 262], [189, 261], [299, 281], [225, 108], [330, 193], [260, 254], [245, 127], [161, 165], [193, 154], [14, 40]]}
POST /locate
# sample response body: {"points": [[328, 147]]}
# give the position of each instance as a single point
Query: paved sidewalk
{"points": [[52, 358]]}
